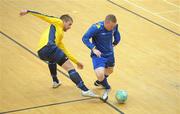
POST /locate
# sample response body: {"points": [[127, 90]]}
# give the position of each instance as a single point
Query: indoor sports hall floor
{"points": [[147, 59]]}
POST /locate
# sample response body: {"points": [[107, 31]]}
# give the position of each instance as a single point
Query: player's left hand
{"points": [[80, 65], [114, 45], [23, 12]]}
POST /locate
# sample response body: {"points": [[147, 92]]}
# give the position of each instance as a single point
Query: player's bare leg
{"points": [[107, 72]]}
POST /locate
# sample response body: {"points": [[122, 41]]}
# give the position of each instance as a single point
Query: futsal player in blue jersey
{"points": [[105, 35]]}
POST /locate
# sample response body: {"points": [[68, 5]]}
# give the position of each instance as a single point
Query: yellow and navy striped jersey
{"points": [[57, 25]]}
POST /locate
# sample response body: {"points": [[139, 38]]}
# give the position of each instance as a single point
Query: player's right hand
{"points": [[23, 12], [97, 52]]}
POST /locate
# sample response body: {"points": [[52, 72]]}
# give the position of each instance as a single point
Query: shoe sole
{"points": [[56, 86]]}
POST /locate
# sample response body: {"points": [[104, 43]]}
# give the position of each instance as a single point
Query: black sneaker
{"points": [[97, 83]]}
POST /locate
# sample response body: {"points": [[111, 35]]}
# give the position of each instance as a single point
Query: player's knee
{"points": [[67, 66], [100, 73], [109, 71]]}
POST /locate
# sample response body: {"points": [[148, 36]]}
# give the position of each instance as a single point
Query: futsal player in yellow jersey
{"points": [[52, 49]]}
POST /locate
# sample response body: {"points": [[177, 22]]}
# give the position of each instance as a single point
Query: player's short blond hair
{"points": [[111, 18], [66, 18]]}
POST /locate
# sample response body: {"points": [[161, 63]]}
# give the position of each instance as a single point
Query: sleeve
{"points": [[49, 19], [62, 47], [117, 36], [52, 33], [88, 35]]}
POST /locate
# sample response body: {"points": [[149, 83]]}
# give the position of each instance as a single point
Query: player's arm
{"points": [[88, 35], [117, 36], [62, 47], [49, 19]]}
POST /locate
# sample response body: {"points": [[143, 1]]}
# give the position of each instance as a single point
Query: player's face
{"points": [[109, 25], [67, 25]]}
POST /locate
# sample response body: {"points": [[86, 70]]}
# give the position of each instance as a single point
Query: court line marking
{"points": [[171, 3], [143, 17], [142, 8], [44, 105], [30, 51], [168, 11]]}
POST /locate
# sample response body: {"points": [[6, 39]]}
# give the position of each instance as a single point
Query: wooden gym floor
{"points": [[147, 59]]}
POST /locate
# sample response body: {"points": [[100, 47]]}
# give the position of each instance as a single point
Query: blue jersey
{"points": [[102, 39]]}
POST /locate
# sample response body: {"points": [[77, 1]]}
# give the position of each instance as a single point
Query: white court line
{"points": [[151, 12], [170, 11], [171, 3]]}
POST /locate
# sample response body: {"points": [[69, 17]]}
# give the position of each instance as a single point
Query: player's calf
{"points": [[53, 70]]}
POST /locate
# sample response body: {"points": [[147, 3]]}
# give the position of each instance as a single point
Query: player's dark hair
{"points": [[66, 18], [111, 18]]}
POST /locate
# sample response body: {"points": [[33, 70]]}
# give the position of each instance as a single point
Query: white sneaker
{"points": [[105, 95], [55, 84], [89, 93]]}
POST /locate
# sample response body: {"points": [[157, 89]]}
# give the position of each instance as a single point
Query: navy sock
{"points": [[97, 81], [106, 76], [53, 70], [55, 79], [75, 77], [105, 84]]}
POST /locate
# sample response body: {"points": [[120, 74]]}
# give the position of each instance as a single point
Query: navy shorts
{"points": [[103, 61], [53, 54]]}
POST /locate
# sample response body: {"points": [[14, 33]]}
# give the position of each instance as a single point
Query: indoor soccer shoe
{"points": [[97, 83], [105, 95], [89, 93], [55, 84]]}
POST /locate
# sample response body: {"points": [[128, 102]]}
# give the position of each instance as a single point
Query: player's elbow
{"points": [[117, 37], [84, 39]]}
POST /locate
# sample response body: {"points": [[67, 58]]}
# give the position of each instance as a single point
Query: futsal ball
{"points": [[121, 96]]}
